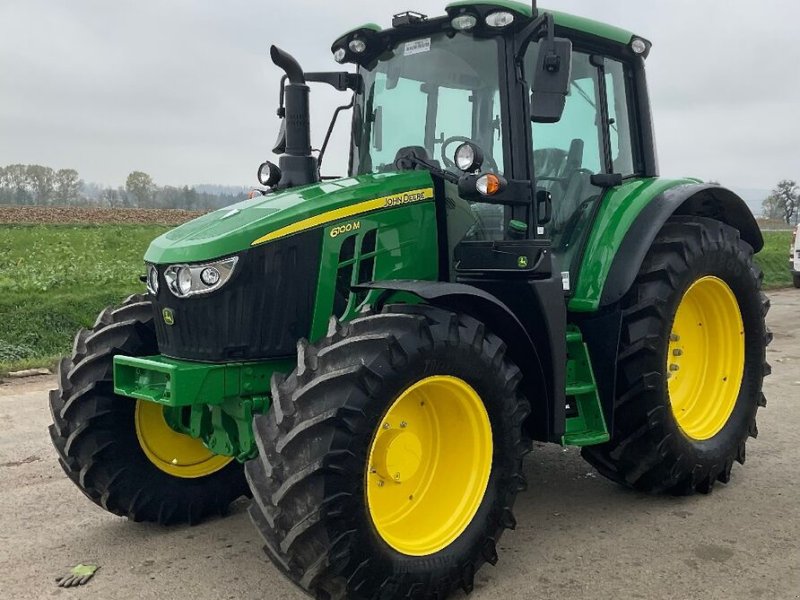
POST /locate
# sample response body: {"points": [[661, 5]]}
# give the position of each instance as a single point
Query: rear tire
{"points": [[95, 431], [654, 447], [312, 479], [796, 279]]}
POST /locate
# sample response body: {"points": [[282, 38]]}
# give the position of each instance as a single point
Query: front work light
{"points": [[464, 22], [340, 55], [468, 157], [192, 280], [357, 46], [500, 19]]}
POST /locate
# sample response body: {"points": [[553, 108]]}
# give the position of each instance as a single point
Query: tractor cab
{"points": [[489, 89]]}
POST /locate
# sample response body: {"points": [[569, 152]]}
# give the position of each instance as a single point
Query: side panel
{"points": [[617, 212], [399, 243]]}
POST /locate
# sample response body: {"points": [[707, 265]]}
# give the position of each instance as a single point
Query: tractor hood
{"points": [[238, 227]]}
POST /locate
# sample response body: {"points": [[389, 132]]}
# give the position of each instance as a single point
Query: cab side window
{"points": [[620, 130]]}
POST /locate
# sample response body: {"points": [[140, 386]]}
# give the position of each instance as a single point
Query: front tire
{"points": [[120, 452], [796, 280], [691, 362], [412, 408]]}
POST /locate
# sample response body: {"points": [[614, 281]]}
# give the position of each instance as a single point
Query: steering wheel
{"points": [[448, 162]]}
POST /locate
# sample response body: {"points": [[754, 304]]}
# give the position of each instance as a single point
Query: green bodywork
{"points": [[216, 402], [234, 228], [617, 212], [212, 402]]}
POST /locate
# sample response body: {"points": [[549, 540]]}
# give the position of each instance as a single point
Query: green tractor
{"points": [[370, 357]]}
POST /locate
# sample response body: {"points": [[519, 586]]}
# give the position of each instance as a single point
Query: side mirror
{"points": [[551, 80]]}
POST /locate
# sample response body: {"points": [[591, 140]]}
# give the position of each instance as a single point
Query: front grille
{"points": [[259, 314]]}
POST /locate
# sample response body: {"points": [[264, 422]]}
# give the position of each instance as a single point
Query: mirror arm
{"points": [[328, 135], [534, 31], [282, 97], [340, 80]]}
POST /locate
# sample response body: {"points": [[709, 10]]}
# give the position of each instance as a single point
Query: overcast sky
{"points": [[184, 89]]}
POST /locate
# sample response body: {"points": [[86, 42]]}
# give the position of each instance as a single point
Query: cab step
{"points": [[586, 425]]}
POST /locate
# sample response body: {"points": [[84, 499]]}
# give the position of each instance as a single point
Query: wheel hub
{"points": [[398, 455]]}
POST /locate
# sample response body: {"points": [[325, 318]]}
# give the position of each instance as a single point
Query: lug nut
{"points": [[677, 352], [387, 426], [674, 338], [397, 476], [403, 425], [674, 367], [380, 483]]}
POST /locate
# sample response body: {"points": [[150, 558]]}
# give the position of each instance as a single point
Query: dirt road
{"points": [[579, 536]]}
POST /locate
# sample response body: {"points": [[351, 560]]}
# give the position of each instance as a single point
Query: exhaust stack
{"points": [[297, 165]]}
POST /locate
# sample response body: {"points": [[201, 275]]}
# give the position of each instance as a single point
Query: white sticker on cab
{"points": [[418, 47]]}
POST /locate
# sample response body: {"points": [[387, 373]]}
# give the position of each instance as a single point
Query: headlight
{"points": [[152, 280], [193, 280]]}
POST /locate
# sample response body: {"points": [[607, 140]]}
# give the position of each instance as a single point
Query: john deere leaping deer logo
{"points": [[169, 316]]}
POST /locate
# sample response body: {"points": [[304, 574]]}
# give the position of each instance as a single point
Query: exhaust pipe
{"points": [[297, 165]]}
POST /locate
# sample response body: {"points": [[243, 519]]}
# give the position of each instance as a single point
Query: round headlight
{"points": [[464, 22], [357, 46], [340, 55], [269, 174], [500, 19], [152, 280], [210, 276], [639, 46], [184, 280], [468, 157]]}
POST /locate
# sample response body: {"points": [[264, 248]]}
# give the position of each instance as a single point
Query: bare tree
{"points": [[782, 203]]}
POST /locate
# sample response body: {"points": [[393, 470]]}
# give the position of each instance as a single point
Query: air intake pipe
{"points": [[298, 166]]}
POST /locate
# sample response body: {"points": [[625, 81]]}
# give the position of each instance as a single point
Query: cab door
{"points": [[592, 139]]}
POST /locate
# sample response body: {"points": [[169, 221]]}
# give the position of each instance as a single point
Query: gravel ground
{"points": [[579, 536]]}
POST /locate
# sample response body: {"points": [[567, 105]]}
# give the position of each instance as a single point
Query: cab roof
{"points": [[562, 19]]}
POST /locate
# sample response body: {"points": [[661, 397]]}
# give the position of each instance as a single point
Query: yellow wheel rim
{"points": [[705, 361], [429, 465], [174, 453]]}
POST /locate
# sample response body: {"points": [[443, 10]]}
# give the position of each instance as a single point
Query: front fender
{"points": [[546, 396]]}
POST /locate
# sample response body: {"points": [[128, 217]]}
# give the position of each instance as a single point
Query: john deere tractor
{"points": [[370, 357]]}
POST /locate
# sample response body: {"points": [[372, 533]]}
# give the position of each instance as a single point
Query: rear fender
{"points": [[709, 201], [628, 221]]}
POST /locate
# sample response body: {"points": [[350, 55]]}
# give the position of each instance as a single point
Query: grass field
{"points": [[55, 279]]}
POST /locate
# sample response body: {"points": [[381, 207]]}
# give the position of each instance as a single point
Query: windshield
{"points": [[432, 93]]}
